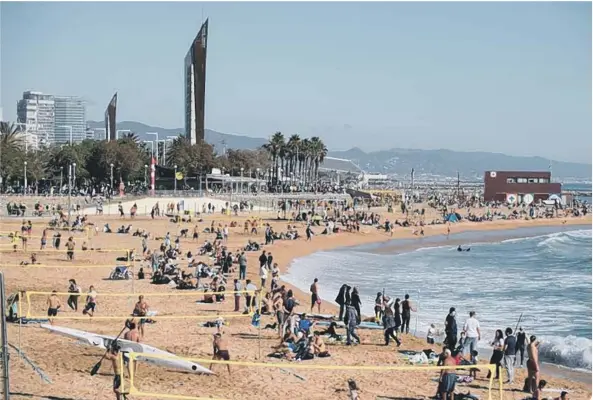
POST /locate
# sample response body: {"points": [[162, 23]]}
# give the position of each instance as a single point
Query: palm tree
{"points": [[292, 149], [11, 138], [318, 151], [276, 148]]}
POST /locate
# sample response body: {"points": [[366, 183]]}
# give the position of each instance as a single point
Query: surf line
{"points": [[35, 367]]}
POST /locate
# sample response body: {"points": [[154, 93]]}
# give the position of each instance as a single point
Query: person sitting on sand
{"points": [[538, 394], [319, 346]]}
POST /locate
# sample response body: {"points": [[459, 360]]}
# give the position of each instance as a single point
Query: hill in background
{"points": [[442, 162]]}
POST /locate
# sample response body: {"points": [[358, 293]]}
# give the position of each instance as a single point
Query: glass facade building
{"points": [[70, 119], [36, 111], [195, 85]]}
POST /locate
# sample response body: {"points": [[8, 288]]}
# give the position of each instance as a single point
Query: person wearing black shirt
{"points": [[355, 301], [510, 346], [520, 346], [341, 300], [406, 313], [451, 329], [263, 259], [269, 260]]}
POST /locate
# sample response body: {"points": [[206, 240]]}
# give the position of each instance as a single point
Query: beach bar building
{"points": [[519, 187]]}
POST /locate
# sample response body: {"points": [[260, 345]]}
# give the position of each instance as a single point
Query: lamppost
{"points": [[69, 192], [157, 148], [175, 180], [241, 180], [120, 130], [61, 179], [74, 174], [151, 147], [111, 190], [145, 174], [25, 191]]}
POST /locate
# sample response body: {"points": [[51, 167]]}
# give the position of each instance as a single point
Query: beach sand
{"points": [[68, 364]]}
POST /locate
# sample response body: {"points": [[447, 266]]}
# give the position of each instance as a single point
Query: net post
{"points": [[492, 369], [5, 367]]}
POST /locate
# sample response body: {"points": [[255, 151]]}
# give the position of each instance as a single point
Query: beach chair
{"points": [[120, 273]]}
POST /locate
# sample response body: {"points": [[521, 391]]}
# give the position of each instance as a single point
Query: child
{"points": [[432, 331]]}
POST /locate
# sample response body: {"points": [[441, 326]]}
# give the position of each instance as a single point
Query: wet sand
{"points": [[68, 364]]}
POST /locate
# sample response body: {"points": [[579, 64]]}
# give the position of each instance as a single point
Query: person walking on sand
{"points": [[237, 288], [407, 309], [242, 266], [309, 232], [510, 345], [220, 350], [73, 298], [341, 300], [133, 336], [356, 303], [315, 299], [451, 329], [112, 355], [389, 324], [70, 245], [520, 346], [141, 310], [497, 353], [53, 305], [350, 322], [91, 302], [263, 259], [472, 333], [533, 363]]}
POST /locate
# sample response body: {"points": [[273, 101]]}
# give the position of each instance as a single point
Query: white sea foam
{"points": [[498, 281]]}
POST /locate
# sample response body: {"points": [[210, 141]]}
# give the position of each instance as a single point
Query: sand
{"points": [[68, 364]]}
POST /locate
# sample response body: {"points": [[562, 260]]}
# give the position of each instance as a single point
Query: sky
{"points": [[513, 78]]}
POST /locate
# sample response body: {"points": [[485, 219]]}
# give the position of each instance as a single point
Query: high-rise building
{"points": [[110, 119], [195, 86], [70, 119], [37, 112]]}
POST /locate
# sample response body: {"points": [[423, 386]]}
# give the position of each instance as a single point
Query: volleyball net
{"points": [[332, 372], [116, 306]]}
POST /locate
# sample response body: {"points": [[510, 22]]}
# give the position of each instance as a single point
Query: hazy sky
{"points": [[503, 77]]}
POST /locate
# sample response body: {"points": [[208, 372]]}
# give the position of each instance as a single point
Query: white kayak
{"points": [[104, 342]]}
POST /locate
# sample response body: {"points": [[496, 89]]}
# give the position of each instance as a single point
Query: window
{"points": [[543, 180], [511, 180], [521, 180], [532, 180]]}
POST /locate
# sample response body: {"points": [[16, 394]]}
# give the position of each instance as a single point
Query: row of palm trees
{"points": [[296, 158]]}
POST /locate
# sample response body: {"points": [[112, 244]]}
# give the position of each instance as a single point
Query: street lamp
{"points": [[61, 179], [151, 147], [120, 130], [111, 165], [74, 174], [241, 180], [157, 148], [145, 174], [25, 191], [175, 179]]}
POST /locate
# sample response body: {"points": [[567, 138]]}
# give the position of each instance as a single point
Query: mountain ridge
{"points": [[437, 162]]}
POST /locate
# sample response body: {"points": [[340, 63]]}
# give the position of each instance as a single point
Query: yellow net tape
{"points": [[134, 391], [155, 317], [115, 264]]}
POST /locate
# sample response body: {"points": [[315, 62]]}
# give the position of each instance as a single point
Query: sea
{"points": [[538, 278]]}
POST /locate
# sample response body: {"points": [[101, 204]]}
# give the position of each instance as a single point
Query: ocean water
{"points": [[546, 275]]}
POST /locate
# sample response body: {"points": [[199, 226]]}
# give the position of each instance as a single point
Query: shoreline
{"points": [[410, 243]]}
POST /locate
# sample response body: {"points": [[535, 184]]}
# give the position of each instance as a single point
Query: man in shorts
{"points": [[70, 244], [221, 350], [533, 363], [448, 377], [112, 355], [315, 299], [53, 304]]}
